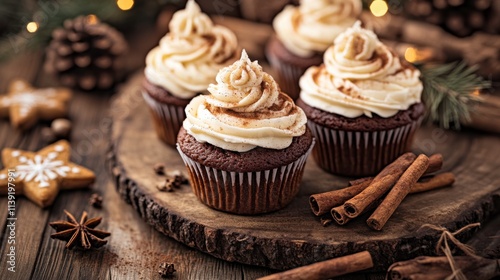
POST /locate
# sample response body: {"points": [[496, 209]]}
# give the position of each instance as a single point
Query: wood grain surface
{"points": [[293, 237]]}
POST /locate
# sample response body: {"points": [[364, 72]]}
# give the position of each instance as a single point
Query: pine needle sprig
{"points": [[17, 39], [448, 92]]}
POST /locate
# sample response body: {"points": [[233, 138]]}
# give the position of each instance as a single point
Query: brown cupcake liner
{"points": [[167, 119], [288, 75], [246, 193], [360, 153]]}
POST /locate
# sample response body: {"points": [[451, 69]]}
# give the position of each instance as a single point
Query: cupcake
{"points": [[303, 34], [245, 145], [363, 104], [183, 65]]}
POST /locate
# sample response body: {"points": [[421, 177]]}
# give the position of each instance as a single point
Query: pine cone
{"points": [[85, 53], [459, 17]]}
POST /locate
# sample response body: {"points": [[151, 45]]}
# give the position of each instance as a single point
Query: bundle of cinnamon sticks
{"points": [[383, 193]]}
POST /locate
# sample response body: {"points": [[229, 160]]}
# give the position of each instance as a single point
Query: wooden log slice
{"points": [[293, 236]]}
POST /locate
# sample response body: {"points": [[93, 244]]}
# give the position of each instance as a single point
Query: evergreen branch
{"points": [[448, 92], [17, 39]]}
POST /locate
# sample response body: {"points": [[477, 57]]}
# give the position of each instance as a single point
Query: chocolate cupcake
{"points": [[245, 145], [183, 65], [363, 104], [303, 34]]}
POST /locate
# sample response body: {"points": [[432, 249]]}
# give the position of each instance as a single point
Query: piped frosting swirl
{"points": [[358, 54], [190, 55], [244, 110], [361, 76], [312, 26]]}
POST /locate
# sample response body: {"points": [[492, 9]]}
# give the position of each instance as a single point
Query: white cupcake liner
{"points": [[246, 193], [357, 153], [167, 119]]}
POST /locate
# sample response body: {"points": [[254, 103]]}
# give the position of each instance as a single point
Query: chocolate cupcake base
{"points": [[167, 119], [166, 110], [249, 190], [355, 153], [288, 66], [362, 146]]}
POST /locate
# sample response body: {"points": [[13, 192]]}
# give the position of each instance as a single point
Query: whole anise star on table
{"points": [[81, 234]]}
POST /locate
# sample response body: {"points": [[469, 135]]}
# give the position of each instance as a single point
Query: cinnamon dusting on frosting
{"points": [[248, 106], [311, 27], [361, 76], [190, 55]]}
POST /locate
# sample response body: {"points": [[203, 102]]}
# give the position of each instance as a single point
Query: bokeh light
{"points": [[125, 4], [411, 55], [379, 8], [32, 27], [92, 19]]}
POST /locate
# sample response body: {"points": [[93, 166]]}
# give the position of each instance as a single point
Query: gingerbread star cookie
{"points": [[39, 176], [25, 105]]}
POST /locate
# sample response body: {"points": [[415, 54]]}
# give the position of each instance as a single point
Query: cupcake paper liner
{"points": [[167, 119], [288, 75], [359, 153], [246, 193]]}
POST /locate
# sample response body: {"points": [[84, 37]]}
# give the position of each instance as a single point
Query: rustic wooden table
{"points": [[135, 249]]}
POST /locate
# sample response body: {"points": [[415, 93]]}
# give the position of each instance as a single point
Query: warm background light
{"points": [[411, 55], [32, 27], [92, 19], [418, 55], [125, 4], [379, 8]]}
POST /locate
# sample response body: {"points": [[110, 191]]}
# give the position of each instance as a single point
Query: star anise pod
{"points": [[82, 234]]}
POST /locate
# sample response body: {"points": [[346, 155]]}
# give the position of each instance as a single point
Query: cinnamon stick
{"points": [[326, 269], [322, 203], [400, 190], [344, 219], [379, 186], [338, 214], [435, 164], [437, 181], [427, 184], [434, 268], [360, 181]]}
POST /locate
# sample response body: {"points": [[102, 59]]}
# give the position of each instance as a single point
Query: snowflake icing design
{"points": [[28, 100], [42, 169]]}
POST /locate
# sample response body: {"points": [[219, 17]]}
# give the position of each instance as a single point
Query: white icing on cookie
{"points": [[15, 153], [28, 100], [42, 170], [59, 148], [52, 155]]}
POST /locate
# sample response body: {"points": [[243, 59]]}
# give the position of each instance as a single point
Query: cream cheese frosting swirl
{"points": [[244, 110], [190, 55], [361, 76], [313, 26]]}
